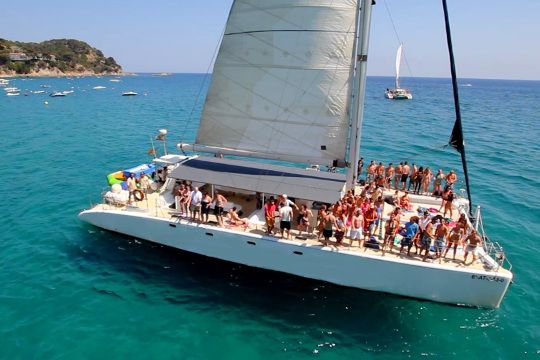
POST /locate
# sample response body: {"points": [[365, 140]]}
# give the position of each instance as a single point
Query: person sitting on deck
{"points": [[235, 219], [405, 202], [411, 229]]}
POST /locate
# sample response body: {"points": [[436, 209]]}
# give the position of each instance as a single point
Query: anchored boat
{"points": [[289, 87], [398, 93]]}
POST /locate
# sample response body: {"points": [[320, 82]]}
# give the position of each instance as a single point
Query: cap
{"points": [[284, 195]]}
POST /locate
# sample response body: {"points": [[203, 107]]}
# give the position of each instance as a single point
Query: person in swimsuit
{"points": [[440, 237], [389, 174], [397, 175], [357, 225], [219, 206], [320, 221], [453, 240], [426, 180], [404, 175], [437, 183], [205, 206], [426, 239], [392, 227], [303, 219], [328, 227], [340, 230], [474, 241]]}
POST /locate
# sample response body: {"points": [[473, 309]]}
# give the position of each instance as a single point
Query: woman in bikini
{"points": [[437, 183]]}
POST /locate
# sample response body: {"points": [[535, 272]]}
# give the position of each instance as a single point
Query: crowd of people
{"points": [[403, 176], [357, 217]]}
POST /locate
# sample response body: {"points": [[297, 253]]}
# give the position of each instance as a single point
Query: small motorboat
{"points": [[57, 94], [129, 93]]}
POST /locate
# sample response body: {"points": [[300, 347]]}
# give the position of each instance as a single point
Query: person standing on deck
{"points": [[304, 218], [412, 177], [371, 172], [404, 175], [437, 183], [360, 167], [219, 206], [328, 226], [389, 174], [195, 204], [473, 241], [270, 215], [426, 239], [411, 229], [440, 237], [285, 213], [205, 206], [370, 216], [397, 175], [451, 179], [390, 232], [453, 240], [132, 186], [426, 180], [357, 225]]}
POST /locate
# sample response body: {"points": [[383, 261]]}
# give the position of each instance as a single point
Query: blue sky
{"points": [[492, 38]]}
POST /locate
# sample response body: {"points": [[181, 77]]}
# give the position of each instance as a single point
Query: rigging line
{"points": [[284, 30], [397, 36], [201, 87]]}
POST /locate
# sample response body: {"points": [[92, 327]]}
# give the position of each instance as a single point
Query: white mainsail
{"points": [[398, 63], [281, 81]]}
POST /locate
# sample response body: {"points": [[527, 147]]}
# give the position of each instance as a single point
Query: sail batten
{"points": [[281, 81]]}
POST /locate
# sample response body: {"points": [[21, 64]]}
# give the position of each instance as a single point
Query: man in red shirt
{"points": [[269, 215]]}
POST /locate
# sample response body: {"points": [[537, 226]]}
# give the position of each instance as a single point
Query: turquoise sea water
{"points": [[69, 290]]}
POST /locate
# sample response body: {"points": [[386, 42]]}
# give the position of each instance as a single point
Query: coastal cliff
{"points": [[59, 57]]}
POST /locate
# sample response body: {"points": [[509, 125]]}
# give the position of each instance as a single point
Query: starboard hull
{"points": [[401, 277]]}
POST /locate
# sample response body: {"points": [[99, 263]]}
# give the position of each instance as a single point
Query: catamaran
{"points": [[398, 93], [287, 99]]}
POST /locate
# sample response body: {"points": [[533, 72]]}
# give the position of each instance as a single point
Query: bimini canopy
{"points": [[263, 177]]}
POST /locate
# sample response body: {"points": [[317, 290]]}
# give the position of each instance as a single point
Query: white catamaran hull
{"points": [[364, 271]]}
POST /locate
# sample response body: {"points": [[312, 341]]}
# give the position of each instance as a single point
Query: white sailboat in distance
{"points": [[288, 85], [398, 93]]}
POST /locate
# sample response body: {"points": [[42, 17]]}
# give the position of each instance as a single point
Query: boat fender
{"points": [[138, 195]]}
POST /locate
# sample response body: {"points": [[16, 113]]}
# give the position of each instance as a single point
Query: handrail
{"points": [[492, 248]]}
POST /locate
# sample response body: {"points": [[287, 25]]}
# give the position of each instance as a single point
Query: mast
{"points": [[456, 140], [364, 25]]}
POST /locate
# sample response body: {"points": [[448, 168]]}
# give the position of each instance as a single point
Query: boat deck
{"points": [[153, 205]]}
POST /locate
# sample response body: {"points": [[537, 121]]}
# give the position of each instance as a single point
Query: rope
{"points": [[201, 87], [397, 37]]}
